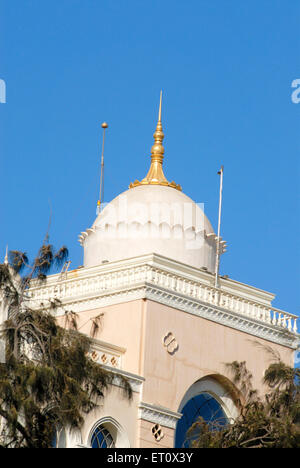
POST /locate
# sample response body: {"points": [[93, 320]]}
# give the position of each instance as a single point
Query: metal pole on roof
{"points": [[220, 172]]}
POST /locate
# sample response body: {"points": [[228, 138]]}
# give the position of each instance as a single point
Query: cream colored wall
{"points": [[147, 440], [204, 348], [122, 325], [124, 412]]}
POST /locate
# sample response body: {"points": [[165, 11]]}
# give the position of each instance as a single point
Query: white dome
{"points": [[151, 219]]}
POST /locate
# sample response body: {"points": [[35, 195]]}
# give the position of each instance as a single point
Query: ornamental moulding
{"points": [[173, 284], [158, 415], [136, 381]]}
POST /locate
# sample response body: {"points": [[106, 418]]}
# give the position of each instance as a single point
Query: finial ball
{"points": [[104, 125]]}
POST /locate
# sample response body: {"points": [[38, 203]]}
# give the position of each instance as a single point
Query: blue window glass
{"points": [[102, 438], [54, 440], [59, 438], [203, 405]]}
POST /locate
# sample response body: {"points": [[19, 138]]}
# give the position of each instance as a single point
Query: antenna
{"points": [[101, 192], [220, 172], [6, 256]]}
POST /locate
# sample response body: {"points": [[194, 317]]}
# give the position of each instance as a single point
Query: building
{"points": [[148, 273]]}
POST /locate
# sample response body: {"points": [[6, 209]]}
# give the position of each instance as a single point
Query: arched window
{"points": [[202, 405], [102, 438], [107, 433]]}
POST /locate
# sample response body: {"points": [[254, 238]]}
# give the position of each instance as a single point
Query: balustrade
{"points": [[71, 288]]}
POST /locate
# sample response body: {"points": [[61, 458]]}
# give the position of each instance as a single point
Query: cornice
{"points": [[176, 285], [158, 415], [136, 381], [224, 317]]}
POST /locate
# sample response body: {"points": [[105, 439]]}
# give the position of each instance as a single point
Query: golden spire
{"points": [[155, 174]]}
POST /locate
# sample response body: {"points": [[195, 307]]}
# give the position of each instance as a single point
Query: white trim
{"points": [[216, 390], [135, 380], [223, 316], [115, 429], [106, 353], [108, 346], [166, 264], [158, 415], [171, 283]]}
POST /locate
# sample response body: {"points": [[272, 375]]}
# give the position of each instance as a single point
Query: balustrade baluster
{"points": [[279, 319], [70, 288], [295, 326], [267, 315], [217, 293], [283, 320]]}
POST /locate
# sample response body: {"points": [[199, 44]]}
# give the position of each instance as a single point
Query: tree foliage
{"points": [[47, 379], [271, 421]]}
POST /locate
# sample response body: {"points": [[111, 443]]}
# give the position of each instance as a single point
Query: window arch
{"points": [[204, 405], [210, 400], [102, 438], [108, 433]]}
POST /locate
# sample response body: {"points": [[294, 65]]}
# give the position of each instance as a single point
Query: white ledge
{"points": [[172, 283], [158, 415]]}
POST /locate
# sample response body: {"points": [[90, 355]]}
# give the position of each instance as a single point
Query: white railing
{"points": [[232, 302], [133, 276]]}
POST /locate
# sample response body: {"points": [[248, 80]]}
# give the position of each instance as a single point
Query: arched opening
{"points": [[203, 405], [107, 433], [102, 438], [206, 398]]}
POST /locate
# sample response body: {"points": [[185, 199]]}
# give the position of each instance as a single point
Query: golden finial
{"points": [[157, 150], [156, 175]]}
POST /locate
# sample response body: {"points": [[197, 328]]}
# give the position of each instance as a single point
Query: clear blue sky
{"points": [[225, 67]]}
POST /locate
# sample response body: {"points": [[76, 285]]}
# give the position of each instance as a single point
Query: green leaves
{"points": [[272, 421], [48, 379], [18, 260]]}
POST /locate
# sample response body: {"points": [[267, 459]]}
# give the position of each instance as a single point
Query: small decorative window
{"points": [[102, 438], [157, 432]]}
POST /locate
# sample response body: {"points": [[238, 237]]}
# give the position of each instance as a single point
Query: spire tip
{"points": [[159, 112], [155, 174]]}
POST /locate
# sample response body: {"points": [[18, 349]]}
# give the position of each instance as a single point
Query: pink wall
{"points": [[204, 348]]}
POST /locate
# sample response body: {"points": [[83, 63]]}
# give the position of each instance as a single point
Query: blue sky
{"points": [[226, 69]]}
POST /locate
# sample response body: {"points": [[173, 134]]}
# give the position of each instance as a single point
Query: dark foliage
{"points": [[269, 422], [47, 380]]}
